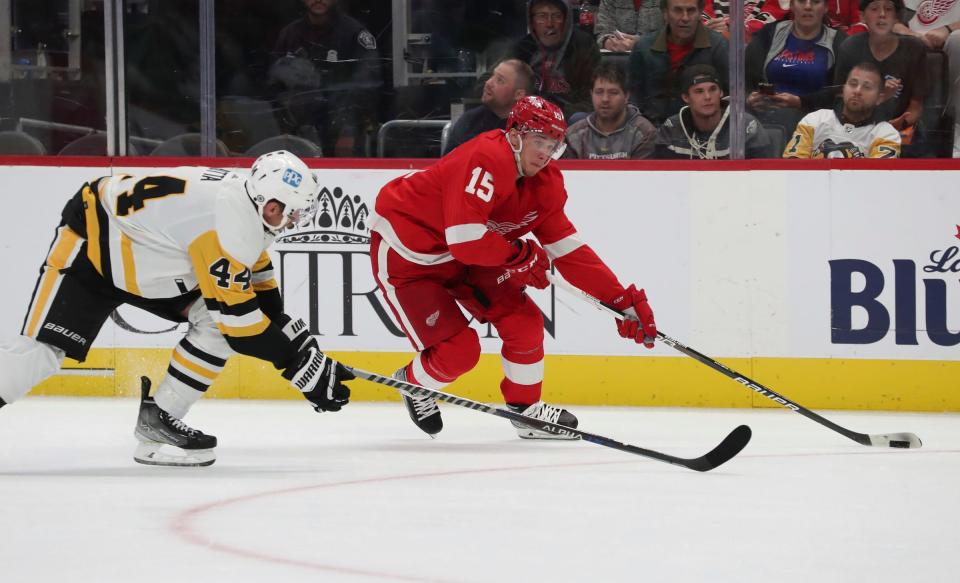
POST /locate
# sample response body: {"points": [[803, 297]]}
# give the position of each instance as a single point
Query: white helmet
{"points": [[283, 177]]}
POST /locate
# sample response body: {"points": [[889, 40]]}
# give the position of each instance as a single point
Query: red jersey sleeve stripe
{"points": [[562, 247], [464, 233]]}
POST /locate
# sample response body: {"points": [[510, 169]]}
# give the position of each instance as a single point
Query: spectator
{"points": [[845, 16], [901, 60], [700, 130], [658, 59], [850, 130], [327, 75], [561, 55], [511, 79], [935, 24], [615, 130], [790, 65], [620, 23], [842, 15], [715, 15]]}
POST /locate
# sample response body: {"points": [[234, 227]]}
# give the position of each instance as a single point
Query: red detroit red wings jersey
{"points": [[469, 206]]}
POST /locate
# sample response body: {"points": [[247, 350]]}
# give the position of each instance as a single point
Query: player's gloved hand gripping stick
{"points": [[316, 375], [900, 440]]}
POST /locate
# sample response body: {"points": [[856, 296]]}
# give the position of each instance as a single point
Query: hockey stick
{"points": [[729, 447], [899, 440]]}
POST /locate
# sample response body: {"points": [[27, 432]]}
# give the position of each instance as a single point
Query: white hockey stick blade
{"points": [[897, 440]]}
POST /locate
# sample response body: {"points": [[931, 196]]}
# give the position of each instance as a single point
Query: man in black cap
{"points": [[701, 130]]}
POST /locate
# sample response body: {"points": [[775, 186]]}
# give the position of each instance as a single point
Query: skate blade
{"points": [[161, 454], [543, 435]]}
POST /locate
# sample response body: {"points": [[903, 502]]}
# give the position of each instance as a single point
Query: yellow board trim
{"points": [[816, 383]]}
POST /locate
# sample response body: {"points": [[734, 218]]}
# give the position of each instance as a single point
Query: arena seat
{"points": [[295, 144], [92, 145], [186, 145], [12, 142]]}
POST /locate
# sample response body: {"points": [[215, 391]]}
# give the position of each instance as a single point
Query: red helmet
{"points": [[535, 114]]}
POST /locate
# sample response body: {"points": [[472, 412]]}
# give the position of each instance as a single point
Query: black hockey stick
{"points": [[729, 447], [899, 440]]}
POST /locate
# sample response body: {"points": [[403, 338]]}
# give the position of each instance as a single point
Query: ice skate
{"points": [[423, 410], [167, 441], [543, 412]]}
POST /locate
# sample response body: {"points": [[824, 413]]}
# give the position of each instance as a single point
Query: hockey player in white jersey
{"points": [[189, 245], [851, 130]]}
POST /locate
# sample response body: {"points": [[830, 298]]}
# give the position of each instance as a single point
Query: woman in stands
{"points": [[790, 66], [902, 63]]}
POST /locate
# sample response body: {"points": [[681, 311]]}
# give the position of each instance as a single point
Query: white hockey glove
{"points": [[320, 378]]}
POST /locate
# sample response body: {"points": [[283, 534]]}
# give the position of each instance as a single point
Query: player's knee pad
{"points": [[204, 334], [196, 363], [25, 362], [443, 362], [521, 329]]}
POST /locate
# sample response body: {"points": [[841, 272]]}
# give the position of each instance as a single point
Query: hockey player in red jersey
{"points": [[454, 234], [188, 245]]}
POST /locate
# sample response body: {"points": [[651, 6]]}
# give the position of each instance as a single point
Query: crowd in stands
{"points": [[810, 69], [635, 78]]}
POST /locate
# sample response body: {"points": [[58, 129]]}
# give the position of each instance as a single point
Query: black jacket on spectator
{"points": [[678, 137], [328, 76], [654, 88], [759, 53], [472, 123], [563, 75]]}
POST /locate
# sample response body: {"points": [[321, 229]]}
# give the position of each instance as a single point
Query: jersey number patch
{"points": [[794, 144], [150, 187], [484, 189], [220, 269]]}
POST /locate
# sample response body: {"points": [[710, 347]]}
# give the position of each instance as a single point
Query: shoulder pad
{"points": [[238, 225]]}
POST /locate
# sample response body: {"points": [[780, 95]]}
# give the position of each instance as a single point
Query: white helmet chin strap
{"points": [[259, 206], [516, 152]]}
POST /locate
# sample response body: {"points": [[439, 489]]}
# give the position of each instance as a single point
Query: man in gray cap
{"points": [[700, 130]]}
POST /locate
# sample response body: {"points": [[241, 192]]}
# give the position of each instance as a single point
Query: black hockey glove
{"points": [[319, 378], [295, 329]]}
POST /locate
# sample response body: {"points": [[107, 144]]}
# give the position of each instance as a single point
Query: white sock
{"points": [[25, 363], [175, 397]]}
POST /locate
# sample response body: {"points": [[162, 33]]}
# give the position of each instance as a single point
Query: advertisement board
{"points": [[839, 288]]}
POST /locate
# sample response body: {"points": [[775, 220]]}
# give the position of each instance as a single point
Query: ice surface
{"points": [[362, 495]]}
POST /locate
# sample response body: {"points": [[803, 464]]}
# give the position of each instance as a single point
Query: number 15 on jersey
{"points": [[481, 184]]}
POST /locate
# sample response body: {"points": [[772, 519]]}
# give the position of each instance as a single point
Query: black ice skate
{"points": [[181, 444], [423, 410], [543, 412]]}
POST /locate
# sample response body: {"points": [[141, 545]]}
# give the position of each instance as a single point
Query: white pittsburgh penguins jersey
{"points": [[162, 235], [821, 134]]}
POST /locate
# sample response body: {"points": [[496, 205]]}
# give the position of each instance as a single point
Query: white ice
{"points": [[363, 496]]}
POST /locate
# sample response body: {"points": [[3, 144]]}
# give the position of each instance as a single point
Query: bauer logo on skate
{"points": [[914, 292]]}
